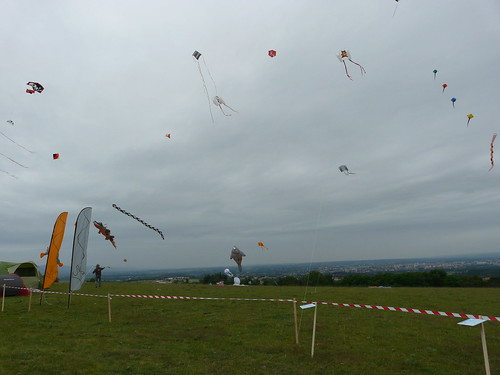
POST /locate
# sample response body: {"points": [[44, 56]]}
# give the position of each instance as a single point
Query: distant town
{"points": [[483, 265]]}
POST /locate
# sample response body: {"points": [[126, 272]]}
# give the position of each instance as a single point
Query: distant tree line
{"points": [[434, 278]]}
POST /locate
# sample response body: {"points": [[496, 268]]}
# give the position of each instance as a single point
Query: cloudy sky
{"points": [[119, 75]]}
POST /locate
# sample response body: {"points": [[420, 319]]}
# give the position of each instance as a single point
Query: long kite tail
{"points": [[224, 113], [206, 89], [11, 175], [491, 151], [210, 75], [10, 139], [395, 9], [139, 220], [230, 108], [12, 160], [363, 71], [346, 72]]}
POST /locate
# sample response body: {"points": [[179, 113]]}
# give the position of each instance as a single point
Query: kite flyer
{"points": [[97, 270]]}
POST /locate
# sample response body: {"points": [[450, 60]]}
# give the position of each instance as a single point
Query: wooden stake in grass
{"points": [[3, 297], [295, 321], [109, 307], [475, 322], [29, 300], [308, 306]]}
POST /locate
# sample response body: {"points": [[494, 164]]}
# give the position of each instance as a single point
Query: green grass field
{"points": [[151, 336]]}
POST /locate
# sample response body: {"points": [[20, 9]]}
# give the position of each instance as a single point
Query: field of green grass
{"points": [[153, 336]]}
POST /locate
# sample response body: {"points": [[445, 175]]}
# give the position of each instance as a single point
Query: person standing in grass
{"points": [[97, 270]]}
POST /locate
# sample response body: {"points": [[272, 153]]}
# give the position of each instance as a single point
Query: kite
{"points": [[444, 86], [345, 170], [125, 260], [167, 135], [105, 232], [272, 53], [342, 56], [435, 72], [196, 56], [47, 253], [453, 100], [262, 246], [139, 220], [219, 102], [469, 116], [55, 156], [35, 87], [10, 122], [491, 151], [237, 255], [10, 139], [228, 272], [393, 14]]}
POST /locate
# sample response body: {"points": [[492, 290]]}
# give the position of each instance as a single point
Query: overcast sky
{"points": [[119, 75]]}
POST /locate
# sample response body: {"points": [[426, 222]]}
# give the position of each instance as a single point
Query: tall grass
{"points": [[151, 336]]}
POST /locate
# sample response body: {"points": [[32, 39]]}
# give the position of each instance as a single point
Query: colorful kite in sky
{"points": [[167, 135], [491, 151], [345, 55], [105, 232], [345, 170], [435, 72], [271, 53], [453, 100], [237, 255], [219, 102], [35, 87], [469, 117], [262, 246], [444, 86], [139, 220], [55, 156]]}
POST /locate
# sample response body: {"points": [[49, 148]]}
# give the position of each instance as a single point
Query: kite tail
{"points": [[239, 267], [393, 14], [139, 220], [10, 139], [224, 113], [11, 175], [363, 71], [12, 160], [230, 108], [206, 90], [346, 72], [208, 70]]}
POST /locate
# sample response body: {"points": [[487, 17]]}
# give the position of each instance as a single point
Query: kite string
{"points": [[313, 252]]}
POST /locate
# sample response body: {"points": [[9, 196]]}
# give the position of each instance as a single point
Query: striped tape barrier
{"points": [[373, 307]]}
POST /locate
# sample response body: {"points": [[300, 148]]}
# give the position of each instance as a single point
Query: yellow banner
{"points": [[51, 268]]}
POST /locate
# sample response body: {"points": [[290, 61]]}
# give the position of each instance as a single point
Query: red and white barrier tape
{"points": [[374, 307], [404, 309]]}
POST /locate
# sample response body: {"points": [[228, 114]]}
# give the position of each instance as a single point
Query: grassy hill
{"points": [[157, 336]]}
